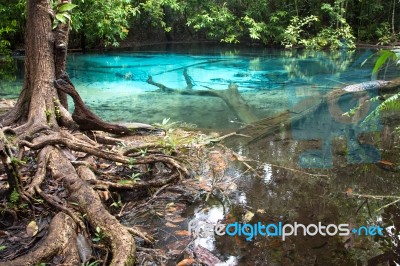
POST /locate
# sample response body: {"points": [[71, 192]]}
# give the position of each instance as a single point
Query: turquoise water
{"points": [[114, 84]]}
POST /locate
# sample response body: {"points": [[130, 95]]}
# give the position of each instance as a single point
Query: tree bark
{"points": [[60, 54]]}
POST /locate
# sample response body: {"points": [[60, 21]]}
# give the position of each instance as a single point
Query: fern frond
{"points": [[391, 104]]}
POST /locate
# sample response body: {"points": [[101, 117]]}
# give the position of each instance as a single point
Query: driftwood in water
{"points": [[230, 96], [307, 107]]}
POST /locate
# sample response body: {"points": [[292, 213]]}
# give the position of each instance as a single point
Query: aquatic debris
{"points": [[127, 75], [368, 85]]}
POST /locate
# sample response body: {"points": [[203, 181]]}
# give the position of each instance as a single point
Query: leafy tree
{"points": [[106, 21], [11, 14]]}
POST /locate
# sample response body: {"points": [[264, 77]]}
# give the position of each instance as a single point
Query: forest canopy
{"points": [[295, 23]]}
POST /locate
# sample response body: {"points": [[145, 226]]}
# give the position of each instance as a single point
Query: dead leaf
{"points": [[186, 262], [168, 224], [104, 195], [103, 166], [175, 219], [182, 233], [248, 216], [171, 204], [32, 229], [349, 191], [260, 211], [385, 162]]}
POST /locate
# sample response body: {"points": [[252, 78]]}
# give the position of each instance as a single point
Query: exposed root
{"points": [[40, 172], [73, 144], [85, 118], [132, 185], [61, 239], [122, 243], [53, 202]]}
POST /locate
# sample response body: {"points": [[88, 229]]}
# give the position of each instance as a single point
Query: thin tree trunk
{"points": [[393, 13], [60, 52]]}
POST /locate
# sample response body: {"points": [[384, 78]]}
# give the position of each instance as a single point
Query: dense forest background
{"points": [[289, 23]]}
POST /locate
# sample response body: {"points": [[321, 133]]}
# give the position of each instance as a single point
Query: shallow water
{"points": [[287, 186], [115, 86]]}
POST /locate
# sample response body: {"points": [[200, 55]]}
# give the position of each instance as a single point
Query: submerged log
{"points": [[231, 96]]}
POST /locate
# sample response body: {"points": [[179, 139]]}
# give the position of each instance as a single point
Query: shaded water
{"points": [[114, 86]]}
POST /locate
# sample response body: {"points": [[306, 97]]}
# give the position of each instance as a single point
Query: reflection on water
{"points": [[267, 80], [304, 174]]}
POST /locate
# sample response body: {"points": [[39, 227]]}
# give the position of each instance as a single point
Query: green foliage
{"points": [[99, 235], [384, 57], [337, 35], [219, 22], [62, 14], [312, 24], [293, 33], [105, 21], [117, 203], [14, 197], [135, 177], [155, 11], [393, 102], [384, 35], [2, 248], [12, 17]]}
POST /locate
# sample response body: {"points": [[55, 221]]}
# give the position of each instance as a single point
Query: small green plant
{"points": [[14, 197], [118, 203], [166, 126], [99, 235], [143, 152], [16, 161], [48, 115], [63, 14], [131, 163], [2, 248], [135, 177]]}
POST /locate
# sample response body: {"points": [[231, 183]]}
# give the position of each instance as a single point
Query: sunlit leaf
{"points": [[186, 262], [32, 229], [384, 56], [182, 233], [66, 7], [248, 216], [168, 224], [61, 18]]}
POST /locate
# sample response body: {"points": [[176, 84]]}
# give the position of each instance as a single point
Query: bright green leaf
{"points": [[66, 7], [61, 18]]}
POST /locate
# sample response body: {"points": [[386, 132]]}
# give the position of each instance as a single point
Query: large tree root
{"points": [[76, 145], [61, 239], [80, 181], [122, 243]]}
